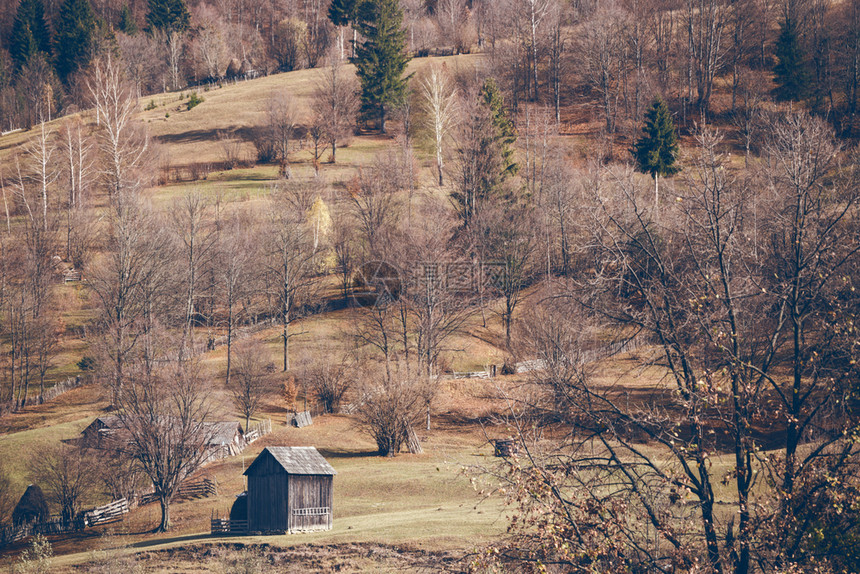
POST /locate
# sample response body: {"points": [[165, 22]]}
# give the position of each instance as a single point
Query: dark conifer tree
{"points": [[655, 152], [168, 15], [791, 72], [381, 59], [76, 37], [29, 33], [505, 133], [127, 23], [343, 12]]}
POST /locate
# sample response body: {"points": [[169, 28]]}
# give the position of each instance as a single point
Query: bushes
{"points": [[391, 403], [329, 382], [37, 558], [86, 364], [193, 101]]}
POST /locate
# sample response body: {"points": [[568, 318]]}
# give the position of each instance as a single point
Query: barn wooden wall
{"points": [[267, 497], [281, 502], [310, 502]]}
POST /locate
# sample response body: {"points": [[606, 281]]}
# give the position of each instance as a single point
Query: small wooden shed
{"points": [[104, 432], [289, 490], [224, 439]]}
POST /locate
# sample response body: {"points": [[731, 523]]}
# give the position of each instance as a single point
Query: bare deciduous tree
{"points": [[237, 255], [281, 121], [477, 159], [197, 242], [454, 22], [250, 382], [77, 147], [335, 103], [290, 257], [67, 474], [121, 140], [507, 235], [391, 403], [749, 412], [374, 203], [706, 21], [329, 381], [343, 245], [440, 101], [209, 43], [164, 413], [126, 286], [604, 50]]}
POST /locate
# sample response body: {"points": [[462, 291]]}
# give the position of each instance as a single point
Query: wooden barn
{"points": [[289, 490], [221, 439], [105, 432]]}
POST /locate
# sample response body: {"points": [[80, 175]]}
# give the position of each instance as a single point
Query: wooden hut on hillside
{"points": [[219, 439], [105, 432], [289, 490], [223, 439]]}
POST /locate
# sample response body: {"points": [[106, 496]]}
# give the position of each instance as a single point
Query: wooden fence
{"points": [[260, 429], [585, 357], [111, 512], [50, 394], [199, 488], [227, 526], [300, 420]]}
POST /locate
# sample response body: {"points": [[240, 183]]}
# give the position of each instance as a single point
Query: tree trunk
{"points": [[656, 196], [286, 336], [164, 525], [229, 339]]}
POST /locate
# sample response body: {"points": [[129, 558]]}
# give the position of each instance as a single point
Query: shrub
{"points": [[329, 383], [86, 364], [150, 106], [193, 100], [36, 558]]}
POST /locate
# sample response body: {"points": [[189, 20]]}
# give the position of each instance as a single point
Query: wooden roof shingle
{"points": [[297, 460]]}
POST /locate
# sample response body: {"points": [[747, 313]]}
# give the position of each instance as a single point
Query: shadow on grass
{"points": [[199, 537], [347, 453]]}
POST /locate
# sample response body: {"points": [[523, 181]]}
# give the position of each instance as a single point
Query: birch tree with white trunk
{"points": [[440, 101]]}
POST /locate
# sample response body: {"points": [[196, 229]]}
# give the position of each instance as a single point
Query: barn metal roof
{"points": [[298, 460]]}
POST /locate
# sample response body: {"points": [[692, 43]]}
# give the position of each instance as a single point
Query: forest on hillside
{"points": [[613, 56]]}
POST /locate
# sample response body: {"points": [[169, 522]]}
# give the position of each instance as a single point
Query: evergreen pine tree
{"points": [[655, 152], [127, 24], [343, 12], [381, 59], [168, 15], [791, 72], [505, 133], [77, 33], [29, 33]]}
